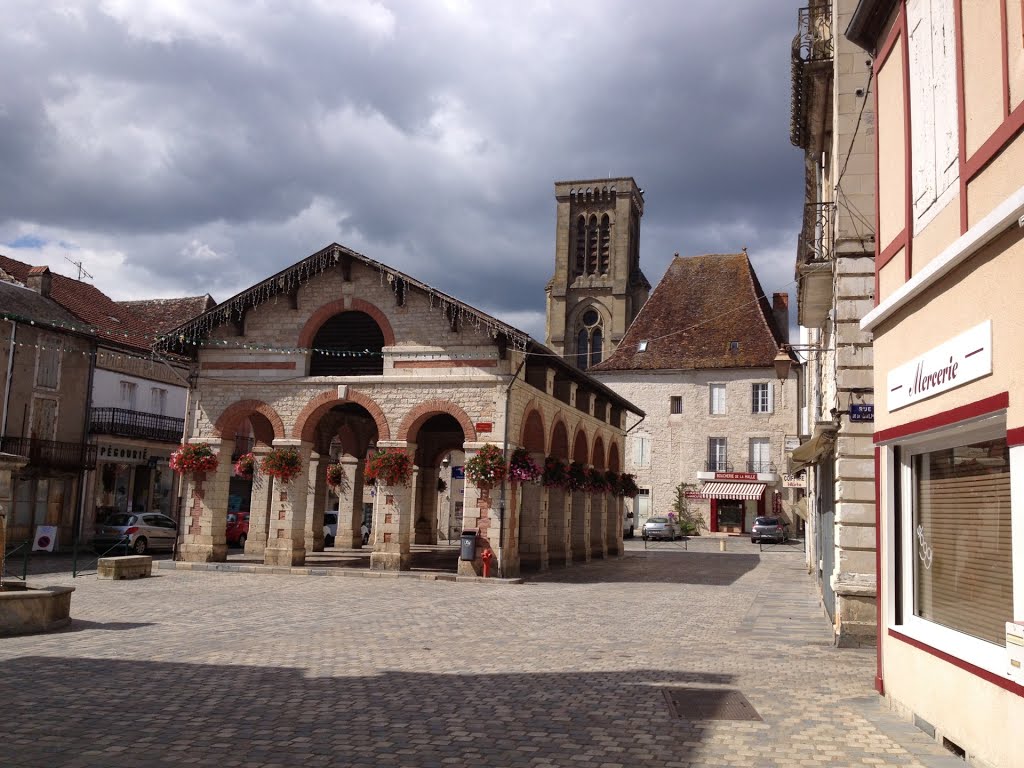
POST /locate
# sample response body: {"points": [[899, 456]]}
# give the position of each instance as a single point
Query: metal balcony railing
{"points": [[144, 426], [760, 467], [717, 465], [51, 454], [817, 237], [815, 32]]}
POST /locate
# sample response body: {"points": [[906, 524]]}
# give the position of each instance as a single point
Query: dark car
{"points": [[238, 529], [770, 529], [141, 532]]}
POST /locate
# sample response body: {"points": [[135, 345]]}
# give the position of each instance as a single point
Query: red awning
{"points": [[732, 490]]}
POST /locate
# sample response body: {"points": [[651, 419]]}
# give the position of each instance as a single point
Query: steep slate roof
{"points": [[161, 315], [18, 301], [91, 306], [701, 306]]}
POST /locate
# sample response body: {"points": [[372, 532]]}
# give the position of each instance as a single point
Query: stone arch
{"points": [[327, 311], [265, 428], [597, 456], [613, 457], [559, 440], [533, 432], [414, 419], [580, 449], [305, 423]]}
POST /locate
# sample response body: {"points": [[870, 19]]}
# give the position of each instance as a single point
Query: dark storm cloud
{"points": [[211, 146]]}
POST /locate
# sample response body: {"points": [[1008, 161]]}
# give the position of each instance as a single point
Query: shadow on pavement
{"points": [[78, 625], [666, 566], [132, 713]]}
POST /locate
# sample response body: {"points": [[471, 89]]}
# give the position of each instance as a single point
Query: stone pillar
{"points": [[350, 504], [206, 509], [426, 499], [316, 502], [533, 545], [598, 525], [287, 541], [510, 558], [559, 549], [580, 534], [391, 527], [614, 524], [259, 508]]}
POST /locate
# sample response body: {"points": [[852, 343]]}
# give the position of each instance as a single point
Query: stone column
{"points": [[598, 525], [316, 502], [206, 509], [259, 508], [510, 557], [614, 525], [412, 516], [287, 541], [426, 517], [533, 545], [391, 527], [559, 549], [350, 504], [580, 528]]}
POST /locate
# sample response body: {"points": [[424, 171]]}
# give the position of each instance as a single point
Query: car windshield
{"points": [[231, 518], [658, 520], [766, 521], [119, 519]]}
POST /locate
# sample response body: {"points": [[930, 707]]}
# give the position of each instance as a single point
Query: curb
{"points": [[274, 570]]}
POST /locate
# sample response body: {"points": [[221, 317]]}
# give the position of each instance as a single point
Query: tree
{"points": [[691, 521]]}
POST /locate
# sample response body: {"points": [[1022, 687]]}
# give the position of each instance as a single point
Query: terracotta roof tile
{"points": [[161, 315], [701, 306]]}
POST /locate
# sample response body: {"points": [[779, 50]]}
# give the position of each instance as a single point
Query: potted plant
{"points": [[555, 473], [388, 467], [193, 459], [245, 466], [613, 482], [522, 468], [576, 476], [488, 467], [596, 482], [336, 477], [282, 464], [628, 486]]}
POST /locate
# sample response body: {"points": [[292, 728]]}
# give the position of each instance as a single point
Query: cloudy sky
{"points": [[182, 147]]}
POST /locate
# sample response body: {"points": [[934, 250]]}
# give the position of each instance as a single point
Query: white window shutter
{"points": [[771, 397], [947, 140], [922, 105]]}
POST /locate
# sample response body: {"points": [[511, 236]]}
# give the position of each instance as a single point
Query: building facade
{"points": [[833, 122], [949, 374]]}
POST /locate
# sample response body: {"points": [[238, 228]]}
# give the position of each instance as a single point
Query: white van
{"points": [[628, 524]]}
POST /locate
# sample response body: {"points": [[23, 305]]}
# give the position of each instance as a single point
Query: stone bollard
{"points": [[721, 545]]}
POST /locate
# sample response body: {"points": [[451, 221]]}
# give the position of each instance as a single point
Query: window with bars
{"points": [[761, 398], [717, 399], [675, 404]]}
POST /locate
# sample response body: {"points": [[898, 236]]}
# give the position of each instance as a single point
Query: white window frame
{"points": [[972, 650], [158, 400], [712, 389], [724, 454], [767, 460], [765, 404], [642, 450], [129, 394]]}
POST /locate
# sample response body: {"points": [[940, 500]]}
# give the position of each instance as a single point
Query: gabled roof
{"points": [[701, 306], [161, 315], [21, 303]]}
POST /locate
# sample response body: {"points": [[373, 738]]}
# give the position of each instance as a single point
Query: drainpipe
{"points": [[10, 372], [504, 483]]}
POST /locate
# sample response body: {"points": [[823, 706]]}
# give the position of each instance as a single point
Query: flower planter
{"points": [[33, 610]]}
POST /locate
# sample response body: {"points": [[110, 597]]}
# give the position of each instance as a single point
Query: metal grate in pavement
{"points": [[709, 704]]}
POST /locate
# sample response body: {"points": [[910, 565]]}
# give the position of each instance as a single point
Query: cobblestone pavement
{"points": [[587, 666]]}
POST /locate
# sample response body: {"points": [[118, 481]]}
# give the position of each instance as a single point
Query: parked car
{"points": [[661, 528], [238, 529], [770, 529], [330, 528], [628, 528], [144, 531]]}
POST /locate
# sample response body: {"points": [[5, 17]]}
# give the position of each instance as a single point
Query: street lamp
{"points": [[784, 360]]}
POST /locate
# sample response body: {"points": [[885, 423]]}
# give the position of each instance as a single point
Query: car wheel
{"points": [[139, 547], [241, 540], [753, 540]]}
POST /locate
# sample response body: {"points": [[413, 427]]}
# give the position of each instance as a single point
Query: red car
{"points": [[238, 528]]}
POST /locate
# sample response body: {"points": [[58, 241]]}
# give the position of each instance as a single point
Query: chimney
{"points": [[39, 280], [780, 311]]}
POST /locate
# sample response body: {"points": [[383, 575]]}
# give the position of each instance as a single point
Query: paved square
{"points": [[568, 669]]}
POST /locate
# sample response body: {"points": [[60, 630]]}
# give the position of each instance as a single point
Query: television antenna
{"points": [[81, 269]]}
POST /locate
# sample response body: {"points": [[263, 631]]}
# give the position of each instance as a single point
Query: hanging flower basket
{"points": [[522, 468], [613, 482], [487, 468], [245, 466], [555, 473], [577, 477], [282, 464], [596, 482], [390, 467], [628, 486], [193, 459], [336, 477]]}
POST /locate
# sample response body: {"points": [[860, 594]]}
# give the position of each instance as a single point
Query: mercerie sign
{"points": [[960, 360]]}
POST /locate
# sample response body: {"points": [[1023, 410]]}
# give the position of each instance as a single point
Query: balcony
{"points": [[761, 467], [51, 454], [135, 424], [814, 32], [815, 252], [717, 465], [811, 62]]}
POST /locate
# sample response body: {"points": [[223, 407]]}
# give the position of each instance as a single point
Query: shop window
{"points": [[716, 394], [955, 557]]}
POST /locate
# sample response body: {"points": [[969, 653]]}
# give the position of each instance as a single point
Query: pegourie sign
{"points": [[960, 360]]}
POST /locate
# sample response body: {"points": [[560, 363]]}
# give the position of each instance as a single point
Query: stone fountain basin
{"points": [[26, 611]]}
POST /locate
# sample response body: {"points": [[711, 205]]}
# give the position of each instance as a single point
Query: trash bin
{"points": [[467, 546]]}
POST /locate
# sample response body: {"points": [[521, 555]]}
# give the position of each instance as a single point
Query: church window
{"points": [[581, 245], [592, 245], [589, 340], [605, 243]]}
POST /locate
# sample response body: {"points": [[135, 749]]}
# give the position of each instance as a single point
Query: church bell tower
{"points": [[597, 288]]}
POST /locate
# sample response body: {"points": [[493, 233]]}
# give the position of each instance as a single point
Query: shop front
{"points": [[736, 499], [131, 477]]}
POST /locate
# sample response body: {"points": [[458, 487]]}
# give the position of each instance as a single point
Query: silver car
{"points": [[770, 529], [661, 528], [144, 531]]}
